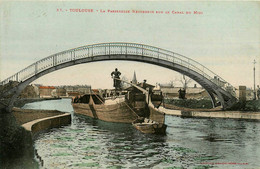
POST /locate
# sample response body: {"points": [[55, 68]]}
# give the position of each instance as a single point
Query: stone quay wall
{"points": [[215, 114], [47, 123]]}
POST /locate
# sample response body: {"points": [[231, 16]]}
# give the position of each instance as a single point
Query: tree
{"points": [[172, 83], [185, 81]]}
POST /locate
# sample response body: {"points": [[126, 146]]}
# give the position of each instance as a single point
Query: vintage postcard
{"points": [[129, 84]]}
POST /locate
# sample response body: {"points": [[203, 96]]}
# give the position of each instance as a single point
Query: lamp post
{"points": [[254, 81]]}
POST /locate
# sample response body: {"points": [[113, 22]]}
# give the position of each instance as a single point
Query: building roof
{"points": [[46, 87]]}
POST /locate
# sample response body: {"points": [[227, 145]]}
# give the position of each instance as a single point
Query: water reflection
{"points": [[189, 143], [232, 142], [94, 143]]}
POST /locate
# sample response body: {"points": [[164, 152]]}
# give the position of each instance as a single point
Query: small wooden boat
{"points": [[149, 126], [155, 123]]}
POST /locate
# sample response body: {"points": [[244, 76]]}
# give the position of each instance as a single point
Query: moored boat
{"points": [[149, 126], [93, 106], [155, 123], [127, 108]]}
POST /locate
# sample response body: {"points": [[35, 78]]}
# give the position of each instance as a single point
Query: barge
{"points": [[127, 108]]}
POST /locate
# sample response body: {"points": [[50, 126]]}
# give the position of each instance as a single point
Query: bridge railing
{"points": [[118, 49]]}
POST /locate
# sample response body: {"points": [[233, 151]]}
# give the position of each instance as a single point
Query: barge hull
{"points": [[119, 113]]}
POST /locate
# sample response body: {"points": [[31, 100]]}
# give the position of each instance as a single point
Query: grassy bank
{"points": [[190, 103], [249, 105]]}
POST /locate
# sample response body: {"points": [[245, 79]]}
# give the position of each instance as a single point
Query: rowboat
{"points": [[149, 126]]}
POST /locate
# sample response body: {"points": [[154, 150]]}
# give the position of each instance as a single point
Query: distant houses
{"points": [[171, 92], [77, 90], [45, 91], [40, 91]]}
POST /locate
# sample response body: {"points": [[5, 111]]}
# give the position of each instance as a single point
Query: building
{"points": [[59, 92], [46, 91], [77, 90], [84, 90]]}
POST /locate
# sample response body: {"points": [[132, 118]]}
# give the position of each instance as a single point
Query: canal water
{"points": [[189, 143]]}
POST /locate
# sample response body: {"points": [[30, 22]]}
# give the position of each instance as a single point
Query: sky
{"points": [[224, 37]]}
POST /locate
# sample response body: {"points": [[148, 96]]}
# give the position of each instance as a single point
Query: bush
{"points": [[250, 105]]}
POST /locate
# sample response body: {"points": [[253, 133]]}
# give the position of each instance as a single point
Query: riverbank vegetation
{"points": [[249, 105], [190, 103]]}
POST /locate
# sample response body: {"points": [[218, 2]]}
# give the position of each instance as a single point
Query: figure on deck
{"points": [[116, 74]]}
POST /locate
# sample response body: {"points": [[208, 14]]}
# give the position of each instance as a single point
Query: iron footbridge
{"points": [[218, 89]]}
